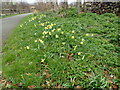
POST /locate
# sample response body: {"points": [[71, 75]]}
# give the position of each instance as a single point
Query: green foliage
{"points": [[49, 51]]}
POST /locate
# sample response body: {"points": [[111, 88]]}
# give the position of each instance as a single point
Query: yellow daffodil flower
{"points": [[92, 34], [50, 33], [62, 32], [41, 41], [35, 34], [83, 39], [75, 47], [35, 40], [58, 29], [28, 47], [56, 36], [42, 60], [73, 31], [53, 30], [81, 42], [63, 43], [87, 34], [79, 53], [72, 37], [43, 37], [46, 27], [44, 32]]}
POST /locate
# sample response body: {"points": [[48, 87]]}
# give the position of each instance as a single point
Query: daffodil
{"points": [[42, 24], [50, 27], [52, 24], [56, 36], [63, 43], [53, 30], [43, 37], [58, 29], [79, 53], [72, 37], [46, 27], [73, 31], [35, 40], [44, 32], [62, 32], [92, 34], [50, 33], [75, 47], [28, 47], [81, 42], [83, 39], [41, 41], [35, 34], [87, 34], [42, 60]]}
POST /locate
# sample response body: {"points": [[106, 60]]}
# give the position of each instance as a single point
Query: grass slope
{"points": [[47, 50]]}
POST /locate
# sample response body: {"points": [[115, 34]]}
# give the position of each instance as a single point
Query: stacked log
{"points": [[106, 7]]}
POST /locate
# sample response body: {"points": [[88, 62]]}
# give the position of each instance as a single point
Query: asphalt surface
{"points": [[8, 24]]}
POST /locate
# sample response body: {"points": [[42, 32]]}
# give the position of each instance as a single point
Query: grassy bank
{"points": [[56, 50]]}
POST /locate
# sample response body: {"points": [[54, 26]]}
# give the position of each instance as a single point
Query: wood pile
{"points": [[105, 7]]}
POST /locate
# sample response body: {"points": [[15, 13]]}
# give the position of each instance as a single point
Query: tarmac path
{"points": [[8, 24]]}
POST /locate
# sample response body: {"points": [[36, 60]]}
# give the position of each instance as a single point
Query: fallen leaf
{"points": [[48, 75], [43, 85], [31, 87], [78, 87], [48, 83], [115, 87]]}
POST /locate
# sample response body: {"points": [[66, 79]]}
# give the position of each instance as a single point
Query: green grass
{"points": [[47, 50], [1, 17]]}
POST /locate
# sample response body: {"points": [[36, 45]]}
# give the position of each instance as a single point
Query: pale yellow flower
{"points": [[46, 27], [58, 29], [53, 30], [28, 47], [79, 53], [50, 27], [35, 34], [35, 25], [83, 39], [44, 32], [87, 34], [41, 41], [50, 33], [75, 47], [72, 37], [73, 31], [81, 42], [92, 34], [35, 40], [42, 60], [63, 43], [62, 32], [43, 37], [56, 36]]}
